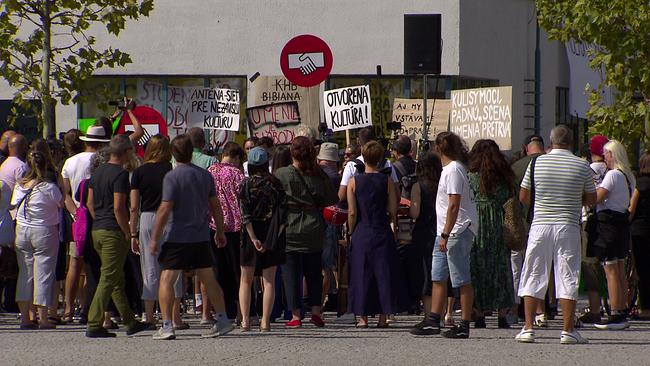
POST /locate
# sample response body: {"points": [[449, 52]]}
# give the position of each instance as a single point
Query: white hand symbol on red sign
{"points": [[306, 62]]}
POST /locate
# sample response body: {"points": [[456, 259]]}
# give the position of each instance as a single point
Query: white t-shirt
{"points": [[618, 198], [75, 169], [454, 180], [600, 169], [350, 171], [41, 207]]}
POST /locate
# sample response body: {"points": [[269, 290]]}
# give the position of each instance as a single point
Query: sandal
{"points": [[265, 329], [382, 325], [361, 325], [245, 328]]}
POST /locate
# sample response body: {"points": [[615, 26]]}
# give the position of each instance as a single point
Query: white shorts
{"points": [[547, 244]]}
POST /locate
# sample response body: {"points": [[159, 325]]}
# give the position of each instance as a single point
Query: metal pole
{"points": [[425, 129], [538, 81]]}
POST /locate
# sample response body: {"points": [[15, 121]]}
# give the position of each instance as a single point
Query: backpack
{"points": [[407, 181], [361, 167], [81, 222]]}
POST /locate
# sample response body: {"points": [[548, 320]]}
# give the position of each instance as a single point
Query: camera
{"points": [[123, 104], [394, 126]]}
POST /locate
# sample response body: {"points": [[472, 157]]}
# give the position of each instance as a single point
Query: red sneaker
{"points": [[293, 324], [317, 321]]}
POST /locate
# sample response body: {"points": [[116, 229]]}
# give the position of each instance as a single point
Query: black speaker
{"points": [[422, 43]]}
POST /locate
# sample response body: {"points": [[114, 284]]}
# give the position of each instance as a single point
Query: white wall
{"points": [[497, 40]]}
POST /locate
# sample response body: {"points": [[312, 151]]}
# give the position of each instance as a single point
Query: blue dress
{"points": [[376, 285]]}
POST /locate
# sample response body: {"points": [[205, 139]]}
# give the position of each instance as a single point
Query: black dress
{"points": [[259, 197], [376, 284]]}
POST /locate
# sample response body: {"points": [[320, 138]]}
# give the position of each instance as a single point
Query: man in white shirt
{"points": [[75, 169], [562, 183], [366, 135]]}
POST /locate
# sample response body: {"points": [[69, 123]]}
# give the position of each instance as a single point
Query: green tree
{"points": [[47, 50], [619, 33]]}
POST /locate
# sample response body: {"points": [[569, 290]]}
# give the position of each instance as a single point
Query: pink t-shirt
{"points": [[227, 179]]}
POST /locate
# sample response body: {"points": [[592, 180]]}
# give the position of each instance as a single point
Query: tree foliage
{"points": [[619, 31], [48, 52]]}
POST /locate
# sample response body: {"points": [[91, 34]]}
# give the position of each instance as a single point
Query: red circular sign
{"points": [[152, 123], [306, 60]]}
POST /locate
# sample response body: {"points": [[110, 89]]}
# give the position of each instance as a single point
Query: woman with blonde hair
{"points": [[37, 199], [613, 242], [145, 197]]}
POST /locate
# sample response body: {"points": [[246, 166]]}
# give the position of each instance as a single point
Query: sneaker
{"points": [[164, 334], [219, 329], [425, 328], [457, 332], [292, 324], [590, 318], [540, 321], [317, 321], [347, 318], [137, 327], [572, 338], [479, 323], [99, 333], [613, 322], [525, 336]]}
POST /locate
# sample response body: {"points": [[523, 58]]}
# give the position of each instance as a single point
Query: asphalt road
{"points": [[336, 344]]}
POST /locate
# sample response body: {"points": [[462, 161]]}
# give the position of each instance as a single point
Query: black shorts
{"points": [[186, 256], [613, 241]]}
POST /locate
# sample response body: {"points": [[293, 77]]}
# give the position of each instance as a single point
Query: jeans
{"points": [[297, 265]]}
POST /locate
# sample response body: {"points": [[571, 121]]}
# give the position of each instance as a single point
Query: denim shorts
{"points": [[455, 262]]}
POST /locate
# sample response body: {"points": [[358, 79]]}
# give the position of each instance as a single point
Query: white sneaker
{"points": [[219, 329], [540, 321], [572, 338], [525, 336], [164, 334]]}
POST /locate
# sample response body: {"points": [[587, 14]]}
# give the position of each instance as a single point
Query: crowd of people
{"points": [[252, 235]]}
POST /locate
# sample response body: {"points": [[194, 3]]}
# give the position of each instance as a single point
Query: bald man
{"points": [[14, 167], [4, 145]]}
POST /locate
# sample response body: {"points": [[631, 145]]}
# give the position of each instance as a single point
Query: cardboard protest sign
{"points": [[484, 113], [409, 112], [348, 108], [215, 109], [177, 108], [277, 121], [267, 90]]}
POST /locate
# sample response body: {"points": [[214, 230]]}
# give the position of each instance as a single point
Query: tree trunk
{"points": [[47, 103]]}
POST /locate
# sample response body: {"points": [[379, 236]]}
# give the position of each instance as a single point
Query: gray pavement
{"points": [[336, 344]]}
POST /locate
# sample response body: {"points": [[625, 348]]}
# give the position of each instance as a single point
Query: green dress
{"points": [[490, 258]]}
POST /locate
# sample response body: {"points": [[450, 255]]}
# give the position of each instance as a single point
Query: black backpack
{"points": [[407, 181], [384, 168]]}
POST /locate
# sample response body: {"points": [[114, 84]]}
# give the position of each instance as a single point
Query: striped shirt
{"points": [[561, 179]]}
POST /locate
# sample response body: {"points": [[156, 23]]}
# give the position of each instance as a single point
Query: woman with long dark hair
{"points": [[423, 211], [640, 232], [308, 190], [37, 199], [492, 181]]}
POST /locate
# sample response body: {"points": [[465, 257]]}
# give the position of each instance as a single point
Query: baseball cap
{"points": [[597, 144], [257, 156], [533, 138]]}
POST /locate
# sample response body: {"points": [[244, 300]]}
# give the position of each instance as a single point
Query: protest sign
{"points": [[217, 108], [176, 108], [409, 112], [277, 121], [484, 113], [348, 108], [267, 90]]}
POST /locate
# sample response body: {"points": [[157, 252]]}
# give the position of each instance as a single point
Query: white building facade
{"points": [[218, 42]]}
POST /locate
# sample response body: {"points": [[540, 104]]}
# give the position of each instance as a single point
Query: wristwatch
{"points": [[444, 236]]}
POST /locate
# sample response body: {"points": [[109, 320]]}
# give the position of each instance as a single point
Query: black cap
{"points": [[533, 138]]}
